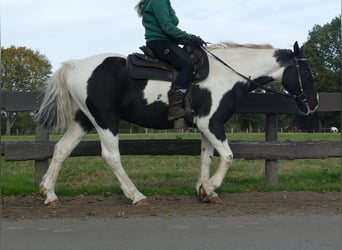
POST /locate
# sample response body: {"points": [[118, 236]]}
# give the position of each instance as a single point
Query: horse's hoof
{"points": [[215, 200], [142, 203], [53, 204], [202, 194]]}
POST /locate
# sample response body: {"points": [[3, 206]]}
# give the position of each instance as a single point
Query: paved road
{"points": [[245, 233]]}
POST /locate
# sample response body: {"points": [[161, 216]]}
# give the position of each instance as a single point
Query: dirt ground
{"points": [[117, 206]]}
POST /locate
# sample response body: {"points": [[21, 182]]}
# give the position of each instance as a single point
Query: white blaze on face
{"points": [[156, 91]]}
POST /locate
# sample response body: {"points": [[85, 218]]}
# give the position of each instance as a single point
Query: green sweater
{"points": [[160, 22]]}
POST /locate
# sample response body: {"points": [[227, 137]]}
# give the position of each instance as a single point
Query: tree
{"points": [[323, 50], [22, 69]]}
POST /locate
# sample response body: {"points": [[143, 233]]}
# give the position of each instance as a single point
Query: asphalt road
{"points": [[313, 232]]}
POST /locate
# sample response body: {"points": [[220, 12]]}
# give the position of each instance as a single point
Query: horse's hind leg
{"points": [[111, 154], [63, 149]]}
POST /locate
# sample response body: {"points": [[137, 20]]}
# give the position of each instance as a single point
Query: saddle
{"points": [[148, 66]]}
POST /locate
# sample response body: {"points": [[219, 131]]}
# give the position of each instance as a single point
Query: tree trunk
{"points": [[8, 126], [10, 119], [250, 127]]}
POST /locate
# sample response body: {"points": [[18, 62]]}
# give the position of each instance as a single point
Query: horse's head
{"points": [[297, 78]]}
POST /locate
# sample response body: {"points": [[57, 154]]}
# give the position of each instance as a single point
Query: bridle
{"points": [[301, 97]]}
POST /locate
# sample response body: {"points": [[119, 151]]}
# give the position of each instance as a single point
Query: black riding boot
{"points": [[176, 99]]}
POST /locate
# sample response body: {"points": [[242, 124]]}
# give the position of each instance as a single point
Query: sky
{"points": [[72, 29]]}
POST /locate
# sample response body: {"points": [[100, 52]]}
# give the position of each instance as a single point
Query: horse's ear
{"points": [[298, 52], [296, 48]]}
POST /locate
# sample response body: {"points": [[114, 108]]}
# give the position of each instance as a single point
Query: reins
{"points": [[228, 66], [248, 79]]}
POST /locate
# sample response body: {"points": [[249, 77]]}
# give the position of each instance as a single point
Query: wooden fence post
{"points": [[42, 135], [271, 134]]}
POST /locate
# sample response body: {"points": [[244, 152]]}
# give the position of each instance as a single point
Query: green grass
{"points": [[234, 136], [176, 174]]}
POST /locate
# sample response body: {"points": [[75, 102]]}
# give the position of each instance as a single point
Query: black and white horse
{"points": [[97, 92]]}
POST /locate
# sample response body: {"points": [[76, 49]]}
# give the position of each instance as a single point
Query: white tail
{"points": [[56, 111]]}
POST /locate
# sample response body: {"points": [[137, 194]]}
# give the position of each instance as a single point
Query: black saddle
{"points": [[147, 66]]}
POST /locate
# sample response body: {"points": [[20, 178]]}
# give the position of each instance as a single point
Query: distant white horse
{"points": [[334, 130], [97, 92]]}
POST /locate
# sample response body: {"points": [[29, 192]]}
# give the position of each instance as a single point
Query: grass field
{"points": [[234, 136], [176, 174]]}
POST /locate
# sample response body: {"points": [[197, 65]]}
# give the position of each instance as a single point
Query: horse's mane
{"points": [[224, 45], [283, 56]]}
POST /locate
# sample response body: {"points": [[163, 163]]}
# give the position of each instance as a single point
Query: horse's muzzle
{"points": [[308, 105]]}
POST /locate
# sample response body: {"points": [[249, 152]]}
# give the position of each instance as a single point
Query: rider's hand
{"points": [[197, 41]]}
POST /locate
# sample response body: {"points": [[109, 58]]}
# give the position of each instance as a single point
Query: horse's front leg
{"points": [[207, 154], [206, 189]]}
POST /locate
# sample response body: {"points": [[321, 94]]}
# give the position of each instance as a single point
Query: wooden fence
{"points": [[271, 149]]}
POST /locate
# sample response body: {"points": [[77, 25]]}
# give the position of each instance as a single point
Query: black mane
{"points": [[284, 57]]}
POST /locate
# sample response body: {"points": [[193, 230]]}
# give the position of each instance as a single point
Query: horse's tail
{"points": [[56, 110]]}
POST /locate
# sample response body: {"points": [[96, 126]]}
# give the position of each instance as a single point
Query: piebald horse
{"points": [[97, 92]]}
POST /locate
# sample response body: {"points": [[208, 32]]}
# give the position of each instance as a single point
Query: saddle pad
{"points": [[140, 68]]}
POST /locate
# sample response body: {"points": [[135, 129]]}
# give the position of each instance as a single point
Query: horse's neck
{"points": [[251, 62]]}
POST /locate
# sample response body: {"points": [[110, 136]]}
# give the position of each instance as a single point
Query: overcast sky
{"points": [[72, 29]]}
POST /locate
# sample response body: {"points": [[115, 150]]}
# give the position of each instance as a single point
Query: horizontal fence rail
{"points": [[250, 150], [266, 103], [261, 103]]}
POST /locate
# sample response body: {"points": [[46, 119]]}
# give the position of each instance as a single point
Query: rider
{"points": [[163, 38]]}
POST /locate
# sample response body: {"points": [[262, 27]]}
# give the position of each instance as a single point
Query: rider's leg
{"points": [[171, 53]]}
